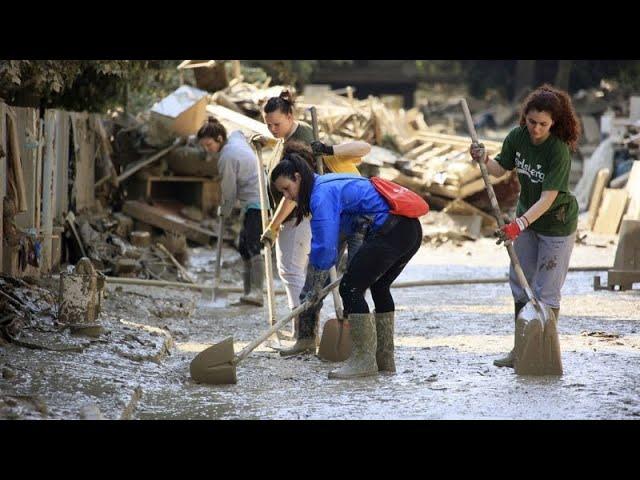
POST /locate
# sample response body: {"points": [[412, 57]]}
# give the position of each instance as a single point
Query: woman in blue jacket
{"points": [[335, 203]]}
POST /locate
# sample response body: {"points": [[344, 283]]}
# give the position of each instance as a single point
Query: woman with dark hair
{"points": [[335, 203], [238, 169], [547, 213], [292, 239]]}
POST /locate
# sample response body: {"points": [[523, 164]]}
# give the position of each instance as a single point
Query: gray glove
{"points": [[315, 282]]}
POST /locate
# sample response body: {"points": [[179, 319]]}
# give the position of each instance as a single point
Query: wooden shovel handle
{"points": [[280, 323]]}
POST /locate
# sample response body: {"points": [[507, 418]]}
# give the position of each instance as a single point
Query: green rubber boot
{"points": [[362, 362], [255, 296], [507, 361], [384, 348]]}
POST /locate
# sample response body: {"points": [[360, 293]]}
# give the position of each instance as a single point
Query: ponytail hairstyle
{"points": [[283, 102], [291, 164], [556, 103], [212, 128]]}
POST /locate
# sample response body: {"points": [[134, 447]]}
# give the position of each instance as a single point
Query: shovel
{"points": [[335, 343], [266, 251], [217, 364], [530, 358], [217, 293]]}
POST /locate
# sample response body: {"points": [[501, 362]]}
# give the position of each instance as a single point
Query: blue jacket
{"points": [[337, 200]]}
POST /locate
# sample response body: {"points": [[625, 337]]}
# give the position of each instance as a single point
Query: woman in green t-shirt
{"points": [[547, 213]]}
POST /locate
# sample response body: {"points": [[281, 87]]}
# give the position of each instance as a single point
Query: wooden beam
{"points": [[3, 174], [27, 141], [85, 149], [48, 187], [168, 221], [144, 163], [61, 145]]}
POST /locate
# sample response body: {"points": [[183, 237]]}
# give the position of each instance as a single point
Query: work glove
{"points": [[269, 236], [313, 285], [320, 148], [510, 231], [264, 141], [478, 152]]}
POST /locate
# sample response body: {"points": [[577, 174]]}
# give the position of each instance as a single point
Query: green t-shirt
{"points": [[542, 167], [304, 134]]}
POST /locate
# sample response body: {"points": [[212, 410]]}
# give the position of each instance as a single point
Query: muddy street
{"points": [[446, 339]]}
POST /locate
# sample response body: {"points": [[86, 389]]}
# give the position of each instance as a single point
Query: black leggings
{"points": [[379, 261], [249, 245]]}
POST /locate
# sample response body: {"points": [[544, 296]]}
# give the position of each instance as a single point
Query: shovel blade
{"points": [[335, 343], [214, 365]]}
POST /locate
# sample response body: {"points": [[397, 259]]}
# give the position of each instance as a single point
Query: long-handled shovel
{"points": [[217, 293], [534, 327], [217, 364], [335, 343], [266, 251]]}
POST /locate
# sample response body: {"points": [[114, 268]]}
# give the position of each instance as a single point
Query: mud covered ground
{"points": [[446, 339]]}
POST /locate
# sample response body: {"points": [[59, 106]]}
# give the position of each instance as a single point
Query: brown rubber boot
{"points": [[552, 353], [385, 348], [307, 335], [362, 362], [255, 296], [508, 360]]}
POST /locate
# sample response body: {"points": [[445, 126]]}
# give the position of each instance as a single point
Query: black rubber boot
{"points": [[307, 334], [255, 294]]}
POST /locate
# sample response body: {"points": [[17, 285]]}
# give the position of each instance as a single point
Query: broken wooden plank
{"points": [[236, 120], [26, 127], [85, 150], [633, 189], [62, 166], [48, 187], [4, 183], [614, 203], [168, 221], [465, 190], [596, 195], [15, 158], [146, 162]]}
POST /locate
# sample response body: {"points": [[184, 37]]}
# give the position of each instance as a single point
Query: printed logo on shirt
{"points": [[534, 174]]}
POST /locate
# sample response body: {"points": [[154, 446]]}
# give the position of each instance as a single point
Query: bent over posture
{"points": [[335, 203]]}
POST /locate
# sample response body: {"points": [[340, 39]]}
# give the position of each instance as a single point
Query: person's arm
{"points": [[357, 148], [494, 168], [285, 207], [228, 184], [541, 206]]}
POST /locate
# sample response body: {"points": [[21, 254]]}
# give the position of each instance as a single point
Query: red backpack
{"points": [[401, 200]]}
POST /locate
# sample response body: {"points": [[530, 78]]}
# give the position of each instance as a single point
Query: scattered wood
{"points": [[602, 178], [614, 203], [144, 163], [167, 220], [180, 268]]}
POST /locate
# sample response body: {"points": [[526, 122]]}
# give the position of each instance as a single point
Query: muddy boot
{"points": [[552, 353], [384, 349], [306, 340], [255, 297], [246, 276], [507, 361], [362, 362]]}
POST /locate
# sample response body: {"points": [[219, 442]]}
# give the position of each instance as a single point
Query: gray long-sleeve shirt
{"points": [[239, 173]]}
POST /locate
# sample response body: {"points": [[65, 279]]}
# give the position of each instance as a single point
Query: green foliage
{"points": [[80, 85]]}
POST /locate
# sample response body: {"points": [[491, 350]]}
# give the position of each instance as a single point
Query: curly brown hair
{"points": [[556, 103]]}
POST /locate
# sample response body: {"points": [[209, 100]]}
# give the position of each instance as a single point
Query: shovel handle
{"points": [[280, 323], [496, 212], [333, 274]]}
